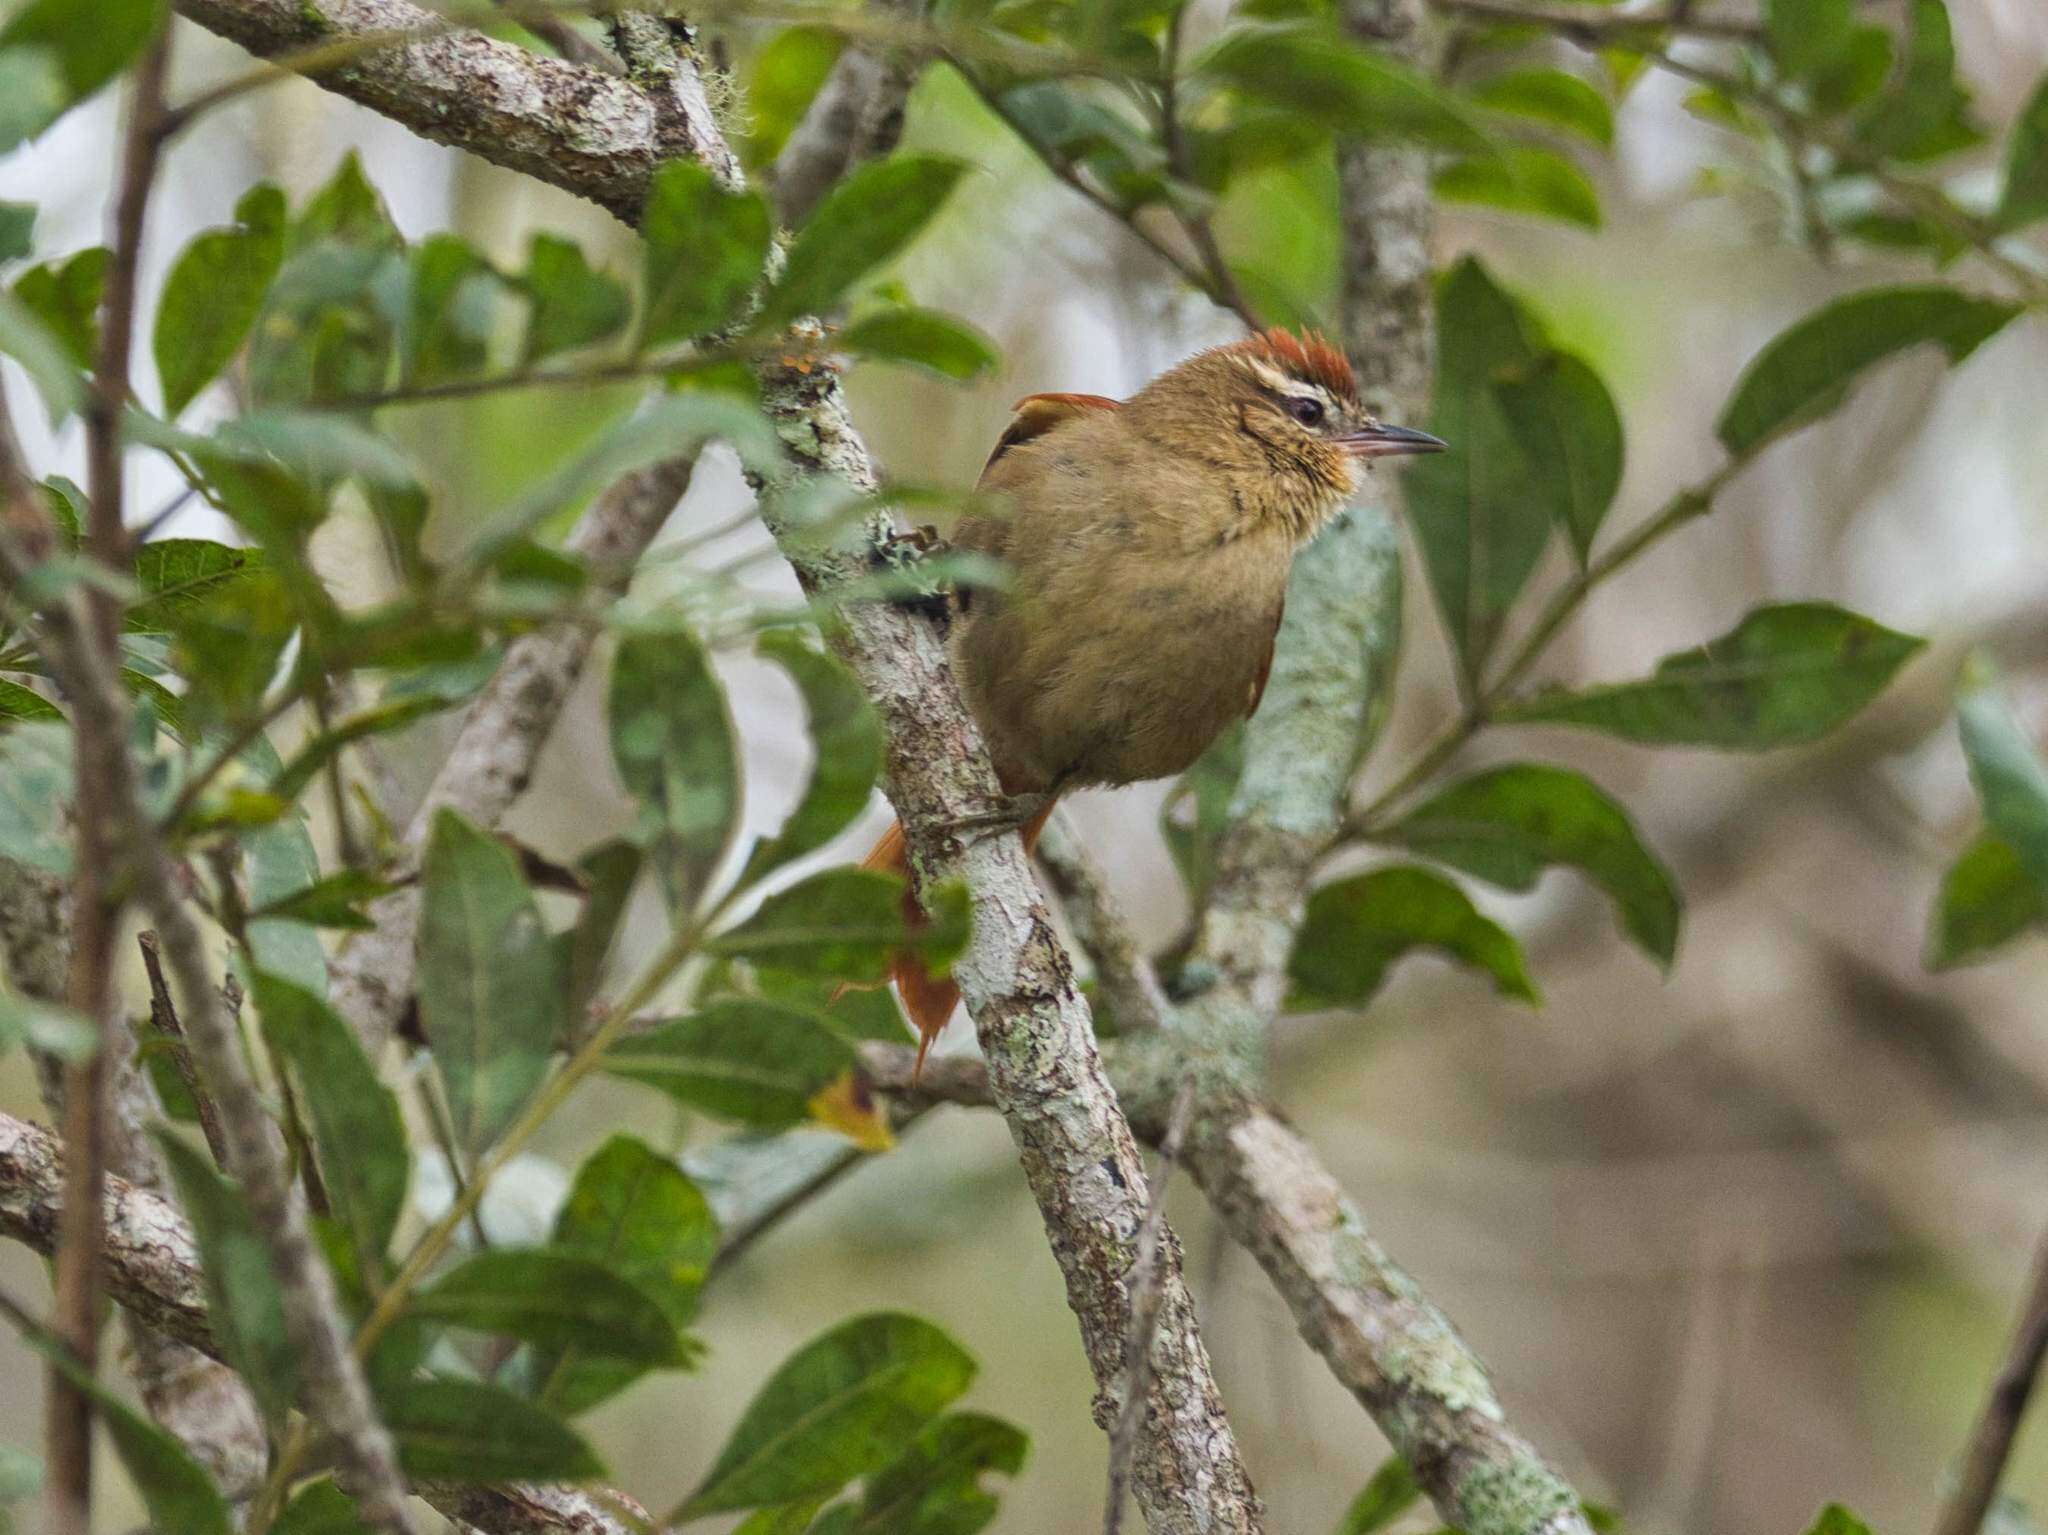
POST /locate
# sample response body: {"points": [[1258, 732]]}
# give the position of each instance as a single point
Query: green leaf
{"points": [[739, 1058], [1926, 113], [609, 871], [1808, 36], [330, 902], [1390, 1494], [91, 40], [569, 306], [65, 296], [843, 923], [32, 94], [1312, 71], [672, 742], [282, 862], [213, 294], [1206, 789], [35, 793], [2010, 776], [320, 1509], [934, 1487], [242, 1294], [1987, 899], [844, 1405], [1549, 96], [178, 574], [923, 338], [634, 1212], [1523, 179], [47, 1026], [174, 1487], [346, 209], [2025, 198], [17, 239], [467, 1431], [490, 993], [1809, 369], [1357, 927], [1507, 824], [846, 741], [555, 1300], [22, 703], [1480, 528], [1566, 424], [1784, 676], [357, 1127], [41, 351], [705, 247], [785, 79], [866, 220], [450, 310], [1837, 1520]]}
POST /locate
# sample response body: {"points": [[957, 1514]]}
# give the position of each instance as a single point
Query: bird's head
{"points": [[1277, 411]]}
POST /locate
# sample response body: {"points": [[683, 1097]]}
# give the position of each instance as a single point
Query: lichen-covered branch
{"points": [[488, 768], [580, 129], [1125, 982], [856, 116], [1375, 1329]]}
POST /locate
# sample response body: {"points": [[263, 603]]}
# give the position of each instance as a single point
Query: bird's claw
{"points": [[1007, 813]]}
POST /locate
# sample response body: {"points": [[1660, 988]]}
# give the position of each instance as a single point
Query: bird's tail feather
{"points": [[928, 999]]}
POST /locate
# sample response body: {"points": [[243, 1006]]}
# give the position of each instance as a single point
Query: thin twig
{"points": [[1147, 1288], [100, 894], [743, 1234], [163, 1015], [1684, 507], [1125, 980], [1604, 26], [1998, 1422], [556, 32]]}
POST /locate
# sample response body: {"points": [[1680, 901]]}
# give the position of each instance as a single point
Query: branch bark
{"points": [[1998, 1422]]}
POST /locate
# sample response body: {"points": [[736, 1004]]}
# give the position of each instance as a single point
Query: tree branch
{"points": [[100, 883], [1599, 26], [1124, 977], [857, 115], [1998, 1423]]}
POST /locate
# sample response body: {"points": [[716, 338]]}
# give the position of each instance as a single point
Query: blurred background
{"points": [[1736, 1240]]}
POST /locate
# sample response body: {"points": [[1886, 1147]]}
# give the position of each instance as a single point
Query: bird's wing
{"points": [[1037, 414]]}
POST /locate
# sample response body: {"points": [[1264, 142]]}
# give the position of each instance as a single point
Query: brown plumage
{"points": [[1147, 544]]}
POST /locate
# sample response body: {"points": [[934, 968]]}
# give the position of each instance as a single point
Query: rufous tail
{"points": [[928, 999]]}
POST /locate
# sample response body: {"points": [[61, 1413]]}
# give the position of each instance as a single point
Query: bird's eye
{"points": [[1307, 412]]}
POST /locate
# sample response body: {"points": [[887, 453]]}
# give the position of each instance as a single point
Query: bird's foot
{"points": [[899, 555], [1006, 813]]}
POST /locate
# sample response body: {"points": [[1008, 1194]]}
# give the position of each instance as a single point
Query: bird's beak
{"points": [[1382, 441]]}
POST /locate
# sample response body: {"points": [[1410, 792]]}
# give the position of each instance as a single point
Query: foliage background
{"points": [[1733, 1242]]}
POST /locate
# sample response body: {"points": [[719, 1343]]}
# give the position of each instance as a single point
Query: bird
{"points": [[1146, 545]]}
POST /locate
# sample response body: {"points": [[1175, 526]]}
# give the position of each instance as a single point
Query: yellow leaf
{"points": [[849, 1107]]}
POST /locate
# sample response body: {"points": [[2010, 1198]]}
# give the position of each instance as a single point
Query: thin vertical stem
{"points": [[100, 892]]}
